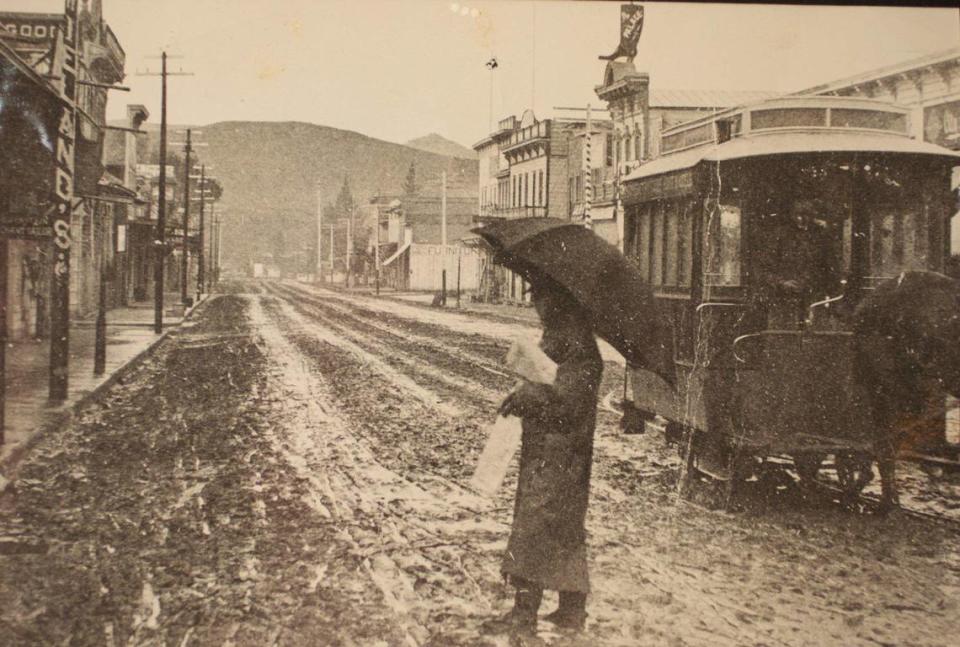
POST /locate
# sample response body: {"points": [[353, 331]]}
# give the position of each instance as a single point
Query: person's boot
{"points": [[523, 616], [572, 612]]}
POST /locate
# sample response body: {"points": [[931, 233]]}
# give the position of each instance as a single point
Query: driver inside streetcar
{"points": [[799, 262]]}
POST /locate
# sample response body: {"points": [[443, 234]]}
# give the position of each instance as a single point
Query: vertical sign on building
{"points": [[68, 45]]}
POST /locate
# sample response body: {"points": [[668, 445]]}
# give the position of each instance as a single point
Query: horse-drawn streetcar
{"points": [[761, 230]]}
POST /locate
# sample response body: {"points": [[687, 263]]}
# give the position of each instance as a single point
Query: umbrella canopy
{"points": [[620, 303]]}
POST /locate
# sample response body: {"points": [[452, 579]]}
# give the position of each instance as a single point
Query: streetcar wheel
{"points": [[808, 466], [854, 471]]}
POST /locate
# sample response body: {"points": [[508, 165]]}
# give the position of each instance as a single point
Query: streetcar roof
{"points": [[788, 143]]}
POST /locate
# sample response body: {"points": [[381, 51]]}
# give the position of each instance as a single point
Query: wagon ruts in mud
{"points": [[796, 246]]}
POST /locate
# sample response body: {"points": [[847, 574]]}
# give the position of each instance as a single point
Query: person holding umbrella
{"points": [[547, 546], [569, 268]]}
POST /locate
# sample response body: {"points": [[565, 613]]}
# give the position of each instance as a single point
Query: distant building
{"points": [[412, 255], [929, 85], [525, 169], [135, 226], [640, 114]]}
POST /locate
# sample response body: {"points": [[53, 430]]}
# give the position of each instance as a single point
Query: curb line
{"points": [[64, 414]]}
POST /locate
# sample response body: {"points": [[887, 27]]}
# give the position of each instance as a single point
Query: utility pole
{"points": [[160, 243], [319, 234], [219, 222], [443, 236], [348, 279], [376, 253], [189, 146], [203, 201], [100, 345], [4, 256], [162, 207], [215, 254], [331, 254], [184, 263], [443, 209]]}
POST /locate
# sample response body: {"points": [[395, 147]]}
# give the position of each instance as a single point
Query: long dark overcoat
{"points": [[548, 541]]}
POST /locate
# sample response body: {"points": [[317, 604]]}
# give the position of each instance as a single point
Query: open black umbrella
{"points": [[620, 303]]}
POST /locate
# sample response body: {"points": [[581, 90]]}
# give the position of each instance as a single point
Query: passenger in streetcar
{"points": [[799, 262]]}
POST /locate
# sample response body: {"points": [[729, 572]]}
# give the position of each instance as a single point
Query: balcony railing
{"points": [[538, 130]]}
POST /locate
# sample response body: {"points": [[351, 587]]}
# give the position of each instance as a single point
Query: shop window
{"points": [[722, 246]]}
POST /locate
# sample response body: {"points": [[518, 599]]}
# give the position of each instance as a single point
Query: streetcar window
{"points": [[872, 119], [684, 244], [788, 118], [656, 234], [881, 244], [722, 246], [671, 218], [899, 241], [646, 225]]}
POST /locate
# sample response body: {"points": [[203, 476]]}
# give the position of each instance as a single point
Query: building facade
{"points": [[929, 86], [529, 168], [639, 115], [32, 38]]}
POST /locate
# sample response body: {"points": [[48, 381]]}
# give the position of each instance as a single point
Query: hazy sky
{"points": [[398, 69]]}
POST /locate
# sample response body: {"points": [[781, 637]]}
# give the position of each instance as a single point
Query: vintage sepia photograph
{"points": [[479, 323]]}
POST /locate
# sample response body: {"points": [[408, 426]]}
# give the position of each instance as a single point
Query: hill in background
{"points": [[271, 173], [434, 143]]}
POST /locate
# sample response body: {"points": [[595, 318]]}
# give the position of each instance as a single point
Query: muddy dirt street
{"points": [[290, 468]]}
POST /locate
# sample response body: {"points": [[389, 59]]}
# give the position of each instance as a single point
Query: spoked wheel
{"points": [[808, 466], [854, 471]]}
